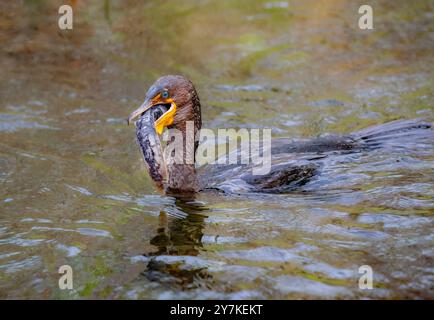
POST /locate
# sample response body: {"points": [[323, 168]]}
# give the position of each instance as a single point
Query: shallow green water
{"points": [[73, 186]]}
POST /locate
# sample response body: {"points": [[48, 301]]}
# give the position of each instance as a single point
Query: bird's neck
{"points": [[182, 177], [180, 159]]}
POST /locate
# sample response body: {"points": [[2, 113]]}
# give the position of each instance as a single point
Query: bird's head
{"points": [[180, 102]]}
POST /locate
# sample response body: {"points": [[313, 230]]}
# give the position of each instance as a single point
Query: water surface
{"points": [[73, 185]]}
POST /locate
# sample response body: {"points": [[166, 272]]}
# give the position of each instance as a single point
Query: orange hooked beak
{"points": [[165, 120]]}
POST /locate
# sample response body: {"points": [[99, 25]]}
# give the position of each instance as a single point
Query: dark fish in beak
{"points": [[150, 144]]}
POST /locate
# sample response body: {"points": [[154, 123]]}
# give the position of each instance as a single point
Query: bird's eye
{"points": [[165, 95]]}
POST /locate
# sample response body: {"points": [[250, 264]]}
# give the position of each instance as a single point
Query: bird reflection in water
{"points": [[178, 241]]}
